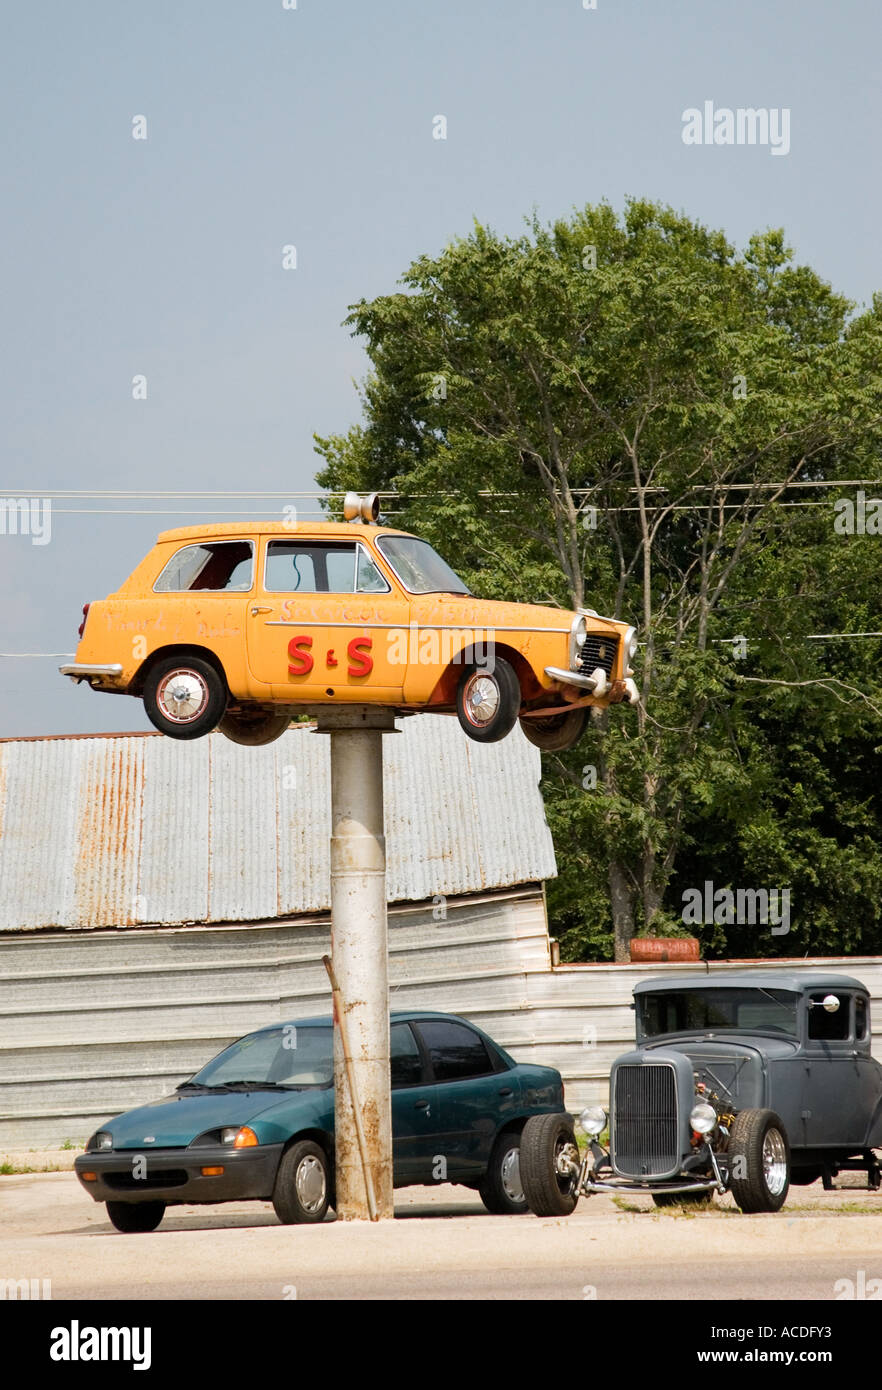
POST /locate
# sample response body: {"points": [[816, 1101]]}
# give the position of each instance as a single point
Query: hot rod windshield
{"points": [[716, 1010]]}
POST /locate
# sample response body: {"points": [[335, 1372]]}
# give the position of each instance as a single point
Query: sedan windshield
{"points": [[286, 1056], [419, 567], [716, 1010]]}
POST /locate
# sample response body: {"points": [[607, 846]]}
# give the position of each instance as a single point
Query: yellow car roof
{"points": [[276, 528]]}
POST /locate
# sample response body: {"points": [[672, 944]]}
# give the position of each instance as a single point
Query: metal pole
{"points": [[360, 956], [340, 1022]]}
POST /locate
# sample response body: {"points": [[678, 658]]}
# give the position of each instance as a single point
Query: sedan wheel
{"points": [[184, 697], [501, 1189], [254, 730], [135, 1217], [488, 699], [556, 732], [301, 1193]]}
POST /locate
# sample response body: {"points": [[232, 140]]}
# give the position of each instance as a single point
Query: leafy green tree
{"points": [[620, 411]]}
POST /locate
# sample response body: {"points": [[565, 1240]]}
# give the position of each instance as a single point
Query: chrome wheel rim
{"points": [[182, 696], [481, 701], [511, 1176], [774, 1162], [310, 1183]]}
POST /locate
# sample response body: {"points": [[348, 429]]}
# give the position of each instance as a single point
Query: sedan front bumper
{"points": [[175, 1175]]}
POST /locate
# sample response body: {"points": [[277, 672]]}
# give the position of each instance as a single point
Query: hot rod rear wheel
{"points": [[185, 697], [543, 1139], [488, 699], [556, 732], [254, 730], [759, 1161]]}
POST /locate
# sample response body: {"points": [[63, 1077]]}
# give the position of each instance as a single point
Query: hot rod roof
{"points": [[753, 979]]}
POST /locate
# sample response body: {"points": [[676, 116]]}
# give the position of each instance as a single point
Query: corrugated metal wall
{"points": [[139, 829], [92, 1023]]}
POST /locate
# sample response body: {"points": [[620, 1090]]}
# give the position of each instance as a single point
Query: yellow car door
{"points": [[326, 624]]}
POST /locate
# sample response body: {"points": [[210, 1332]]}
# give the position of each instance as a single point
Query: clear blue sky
{"points": [[313, 127]]}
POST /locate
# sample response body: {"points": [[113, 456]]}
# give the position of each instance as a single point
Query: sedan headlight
{"points": [[102, 1140], [630, 648], [703, 1117], [578, 633], [593, 1120]]}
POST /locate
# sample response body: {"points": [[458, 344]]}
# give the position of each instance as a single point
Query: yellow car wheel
{"points": [[254, 730], [184, 697], [488, 699], [556, 732]]}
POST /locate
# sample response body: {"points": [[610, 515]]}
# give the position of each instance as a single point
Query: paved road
{"points": [[443, 1246]]}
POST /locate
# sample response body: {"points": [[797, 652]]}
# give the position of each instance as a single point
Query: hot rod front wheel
{"points": [[549, 1183], [759, 1161]]}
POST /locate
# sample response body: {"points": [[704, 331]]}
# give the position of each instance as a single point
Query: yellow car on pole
{"points": [[243, 626]]}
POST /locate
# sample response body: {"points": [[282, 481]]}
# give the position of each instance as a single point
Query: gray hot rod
{"points": [[743, 1082]]}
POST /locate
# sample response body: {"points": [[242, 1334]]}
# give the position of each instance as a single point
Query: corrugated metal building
{"points": [[158, 899]]}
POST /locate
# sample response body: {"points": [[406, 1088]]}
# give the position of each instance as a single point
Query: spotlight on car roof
{"points": [[356, 508]]}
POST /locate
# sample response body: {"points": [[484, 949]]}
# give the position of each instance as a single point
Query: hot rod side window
{"points": [[861, 1018], [826, 1027]]}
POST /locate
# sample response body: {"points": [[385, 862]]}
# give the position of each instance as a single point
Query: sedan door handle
{"points": [[506, 1091], [421, 1105], [256, 608]]}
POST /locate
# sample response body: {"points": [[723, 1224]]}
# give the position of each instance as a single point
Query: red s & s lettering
{"points": [[298, 653], [358, 650]]}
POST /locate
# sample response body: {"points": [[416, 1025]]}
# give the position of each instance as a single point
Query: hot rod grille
{"points": [[598, 650], [645, 1134]]}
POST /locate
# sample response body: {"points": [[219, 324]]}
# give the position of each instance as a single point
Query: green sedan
{"points": [[257, 1124]]}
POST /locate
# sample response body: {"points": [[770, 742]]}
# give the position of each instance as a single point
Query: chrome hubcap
{"points": [[182, 696], [310, 1183], [511, 1176], [774, 1162], [481, 699]]}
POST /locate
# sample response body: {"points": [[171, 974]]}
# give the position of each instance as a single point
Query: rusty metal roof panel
{"points": [[137, 829]]}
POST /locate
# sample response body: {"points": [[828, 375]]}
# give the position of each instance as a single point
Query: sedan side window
{"points": [[825, 1027], [214, 566], [406, 1061], [455, 1051], [321, 567]]}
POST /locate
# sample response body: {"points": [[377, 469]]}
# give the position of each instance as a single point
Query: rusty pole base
{"points": [[359, 949]]}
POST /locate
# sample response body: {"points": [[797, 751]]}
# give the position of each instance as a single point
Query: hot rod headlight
{"points": [[593, 1120], [703, 1117], [630, 648]]}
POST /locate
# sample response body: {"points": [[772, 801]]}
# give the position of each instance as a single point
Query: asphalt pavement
{"points": [[443, 1245]]}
